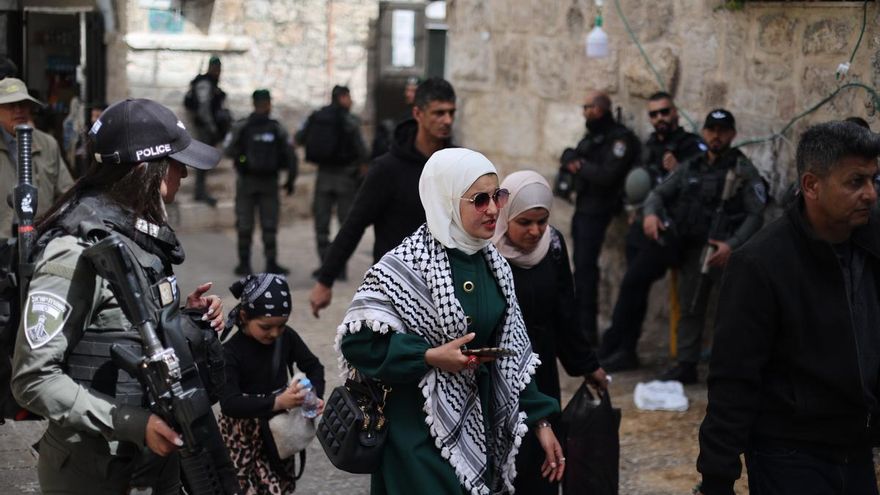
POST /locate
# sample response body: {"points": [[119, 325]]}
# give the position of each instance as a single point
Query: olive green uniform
{"points": [[94, 442], [411, 463]]}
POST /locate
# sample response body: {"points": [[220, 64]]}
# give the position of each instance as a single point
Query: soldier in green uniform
{"points": [[100, 438], [691, 197], [333, 141], [260, 147]]}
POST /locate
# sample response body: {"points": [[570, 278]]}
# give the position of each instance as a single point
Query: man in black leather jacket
{"points": [[793, 380]]}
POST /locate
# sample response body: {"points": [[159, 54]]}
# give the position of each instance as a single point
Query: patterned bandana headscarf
{"points": [[261, 294], [447, 175], [528, 190]]}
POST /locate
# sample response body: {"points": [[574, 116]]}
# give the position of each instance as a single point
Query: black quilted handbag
{"points": [[353, 427]]}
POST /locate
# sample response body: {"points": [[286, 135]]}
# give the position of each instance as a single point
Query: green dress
{"points": [[411, 463]]}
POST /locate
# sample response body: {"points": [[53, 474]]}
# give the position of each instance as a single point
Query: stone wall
{"points": [[521, 74], [525, 61], [298, 49]]}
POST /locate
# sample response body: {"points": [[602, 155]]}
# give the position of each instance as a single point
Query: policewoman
{"points": [[100, 438]]}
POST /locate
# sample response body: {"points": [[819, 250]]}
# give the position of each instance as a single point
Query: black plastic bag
{"points": [[591, 441]]}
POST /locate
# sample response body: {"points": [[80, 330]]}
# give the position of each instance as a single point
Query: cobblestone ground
{"points": [[658, 450]]}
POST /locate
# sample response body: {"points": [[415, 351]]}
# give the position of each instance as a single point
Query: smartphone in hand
{"points": [[495, 352]]}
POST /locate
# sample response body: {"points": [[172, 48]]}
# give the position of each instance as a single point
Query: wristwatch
{"points": [[542, 423]]}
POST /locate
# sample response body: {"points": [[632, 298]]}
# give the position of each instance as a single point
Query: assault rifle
{"points": [[716, 230], [168, 373]]}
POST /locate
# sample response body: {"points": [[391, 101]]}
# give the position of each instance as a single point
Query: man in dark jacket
{"points": [[715, 204], [389, 197], [793, 380], [599, 165], [646, 260]]}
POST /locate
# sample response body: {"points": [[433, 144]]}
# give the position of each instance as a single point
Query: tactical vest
{"points": [[260, 144], [90, 363], [699, 198]]}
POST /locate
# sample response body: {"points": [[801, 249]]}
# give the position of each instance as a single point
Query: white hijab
{"points": [[447, 175], [528, 190]]}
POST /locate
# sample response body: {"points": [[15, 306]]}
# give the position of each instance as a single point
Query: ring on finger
{"points": [[562, 460], [472, 362]]}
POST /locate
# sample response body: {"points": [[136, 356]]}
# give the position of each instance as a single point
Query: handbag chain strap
{"points": [[363, 405]]}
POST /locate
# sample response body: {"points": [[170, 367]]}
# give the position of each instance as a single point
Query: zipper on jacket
{"points": [[852, 325]]}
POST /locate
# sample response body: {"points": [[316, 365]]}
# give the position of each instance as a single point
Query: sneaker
{"points": [[243, 269], [272, 267], [686, 373], [620, 361]]}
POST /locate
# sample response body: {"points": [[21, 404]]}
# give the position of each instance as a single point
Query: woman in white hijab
{"points": [[456, 420], [545, 292]]}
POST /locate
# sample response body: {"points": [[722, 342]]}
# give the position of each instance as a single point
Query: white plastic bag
{"points": [[660, 396]]}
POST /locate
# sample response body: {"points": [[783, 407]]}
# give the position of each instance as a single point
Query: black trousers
{"points": [[257, 194], [588, 232], [647, 262], [793, 471]]}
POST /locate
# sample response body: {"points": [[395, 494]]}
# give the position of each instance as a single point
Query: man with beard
{"points": [[691, 197], [647, 260], [389, 197], [599, 165], [796, 386]]}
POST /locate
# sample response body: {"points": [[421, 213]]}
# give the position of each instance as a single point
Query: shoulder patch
{"points": [[619, 148], [45, 316], [760, 191]]}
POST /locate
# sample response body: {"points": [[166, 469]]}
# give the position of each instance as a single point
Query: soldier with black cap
{"points": [[646, 260], [50, 173], [260, 147], [701, 214], [100, 437]]}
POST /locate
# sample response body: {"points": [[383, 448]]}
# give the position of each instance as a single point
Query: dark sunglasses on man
{"points": [[660, 111], [481, 200]]}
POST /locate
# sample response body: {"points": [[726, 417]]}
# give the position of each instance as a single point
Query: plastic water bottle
{"points": [[310, 403]]}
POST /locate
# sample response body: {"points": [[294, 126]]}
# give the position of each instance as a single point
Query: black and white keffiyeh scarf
{"points": [[410, 290]]}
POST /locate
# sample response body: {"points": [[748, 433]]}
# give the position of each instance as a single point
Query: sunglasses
{"points": [[660, 111], [481, 199], [588, 106]]}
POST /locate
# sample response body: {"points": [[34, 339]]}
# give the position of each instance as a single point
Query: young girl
{"points": [[257, 380]]}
